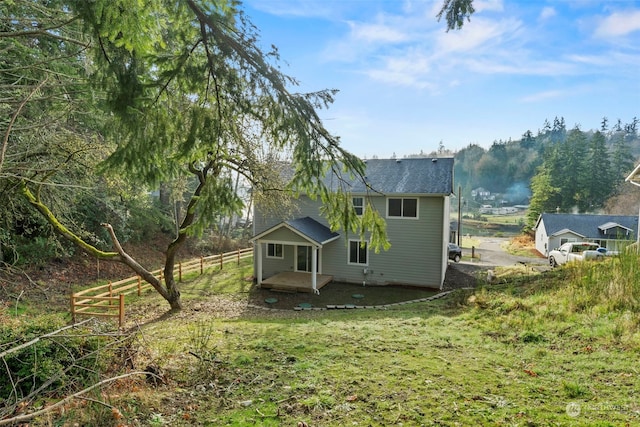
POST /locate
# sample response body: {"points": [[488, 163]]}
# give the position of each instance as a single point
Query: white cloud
{"points": [[488, 5], [543, 96], [410, 70], [298, 8], [410, 49], [381, 34], [597, 60], [619, 24], [376, 33], [521, 65], [477, 35], [546, 13]]}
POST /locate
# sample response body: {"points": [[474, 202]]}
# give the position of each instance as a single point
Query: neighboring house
{"points": [[480, 193], [609, 231], [413, 197]]}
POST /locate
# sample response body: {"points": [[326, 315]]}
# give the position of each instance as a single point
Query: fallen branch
{"points": [[67, 399], [35, 340], [276, 415], [205, 359], [35, 392]]}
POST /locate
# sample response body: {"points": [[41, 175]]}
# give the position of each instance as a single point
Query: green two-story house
{"points": [[413, 195]]}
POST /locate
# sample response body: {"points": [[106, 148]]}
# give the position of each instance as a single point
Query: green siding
{"points": [[285, 235], [416, 256]]}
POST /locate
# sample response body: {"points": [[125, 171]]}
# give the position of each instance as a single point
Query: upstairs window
{"points": [[358, 205], [402, 208], [358, 252], [274, 250]]}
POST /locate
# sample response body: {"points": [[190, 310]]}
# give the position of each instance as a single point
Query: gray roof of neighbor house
{"points": [[307, 227], [402, 176], [590, 226]]}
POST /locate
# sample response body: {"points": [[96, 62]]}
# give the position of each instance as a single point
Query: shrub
{"points": [[50, 364]]}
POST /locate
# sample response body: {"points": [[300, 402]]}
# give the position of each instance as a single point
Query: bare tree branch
{"points": [[27, 417]]}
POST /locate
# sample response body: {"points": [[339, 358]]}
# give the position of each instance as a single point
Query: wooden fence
{"points": [[108, 300]]}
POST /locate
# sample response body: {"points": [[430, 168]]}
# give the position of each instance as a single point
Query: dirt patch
{"points": [[462, 275], [346, 294], [340, 294]]}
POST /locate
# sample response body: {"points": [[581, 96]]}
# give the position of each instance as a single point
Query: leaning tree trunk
{"points": [[170, 293], [173, 293]]}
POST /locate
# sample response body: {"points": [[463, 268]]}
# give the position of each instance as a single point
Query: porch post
{"points": [[259, 263], [314, 263]]}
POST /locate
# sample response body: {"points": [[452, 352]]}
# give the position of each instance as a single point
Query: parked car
{"points": [[607, 252], [455, 253], [574, 251]]}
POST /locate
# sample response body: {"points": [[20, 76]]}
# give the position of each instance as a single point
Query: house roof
{"points": [[401, 176], [589, 226], [306, 227]]}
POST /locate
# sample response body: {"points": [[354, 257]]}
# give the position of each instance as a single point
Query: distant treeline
{"points": [[569, 170]]}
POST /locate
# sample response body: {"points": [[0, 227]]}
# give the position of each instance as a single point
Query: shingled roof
{"points": [[307, 227], [590, 226], [402, 176], [312, 229]]}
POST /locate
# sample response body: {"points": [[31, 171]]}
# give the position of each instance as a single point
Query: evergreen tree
{"points": [[189, 93], [574, 174], [599, 184], [528, 140], [604, 125], [622, 158], [546, 195], [456, 12]]}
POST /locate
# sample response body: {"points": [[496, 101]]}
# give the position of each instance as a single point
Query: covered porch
{"points": [[295, 281], [292, 252]]}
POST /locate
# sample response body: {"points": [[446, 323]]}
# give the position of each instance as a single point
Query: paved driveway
{"points": [[492, 253]]}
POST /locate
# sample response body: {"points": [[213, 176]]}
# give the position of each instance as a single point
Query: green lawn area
{"points": [[504, 355], [541, 350]]}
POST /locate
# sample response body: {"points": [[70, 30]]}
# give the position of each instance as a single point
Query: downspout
{"points": [[314, 264], [259, 262]]}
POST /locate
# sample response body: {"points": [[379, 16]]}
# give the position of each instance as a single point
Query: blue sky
{"points": [[406, 85]]}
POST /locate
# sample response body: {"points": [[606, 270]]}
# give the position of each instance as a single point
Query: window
{"points": [[357, 252], [564, 240], [303, 259], [274, 250], [402, 208], [358, 205]]}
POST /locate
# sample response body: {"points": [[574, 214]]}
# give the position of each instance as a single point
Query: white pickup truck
{"points": [[574, 251]]}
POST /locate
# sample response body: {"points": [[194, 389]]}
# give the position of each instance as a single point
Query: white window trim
{"points": [[404, 217], [349, 253], [362, 206], [274, 256]]}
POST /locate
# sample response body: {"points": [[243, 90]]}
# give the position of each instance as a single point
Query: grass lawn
{"points": [[504, 355], [534, 354]]}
